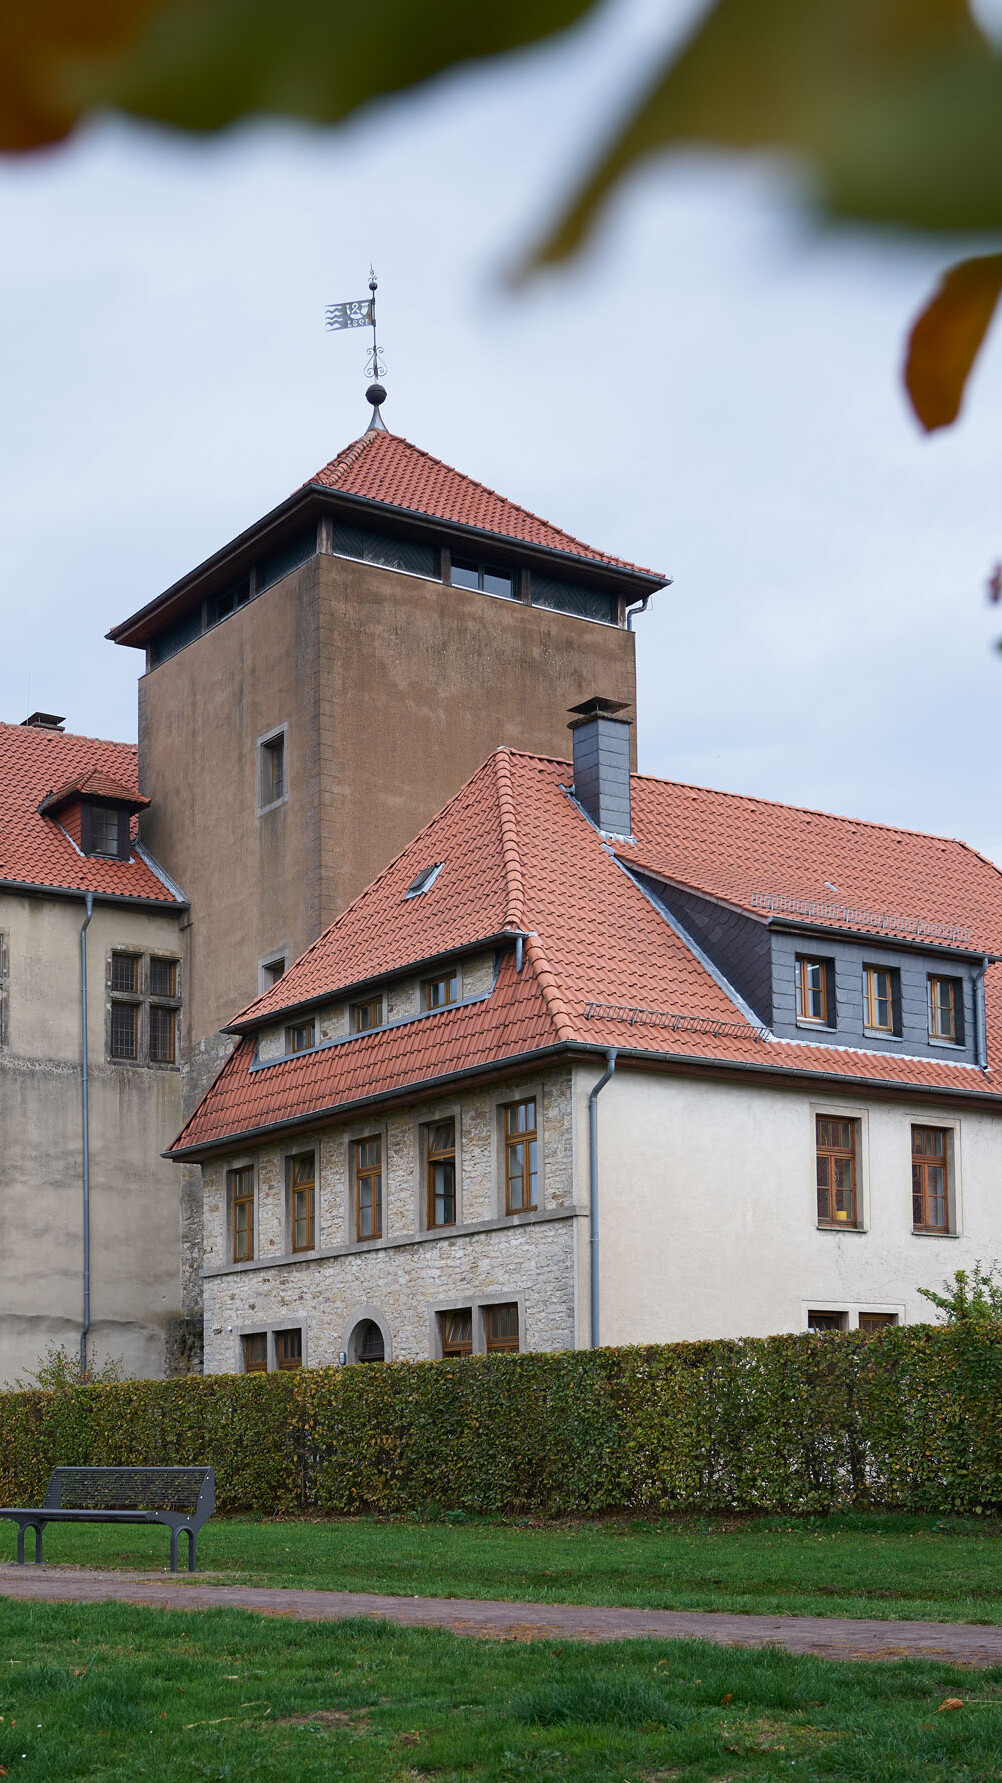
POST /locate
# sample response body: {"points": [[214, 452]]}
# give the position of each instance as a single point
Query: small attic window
{"points": [[424, 880], [104, 830]]}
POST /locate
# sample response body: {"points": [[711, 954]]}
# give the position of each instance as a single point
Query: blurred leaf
{"points": [[894, 107], [202, 64], [947, 336]]}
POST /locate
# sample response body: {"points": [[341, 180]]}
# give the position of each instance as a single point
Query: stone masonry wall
{"points": [[407, 1277]]}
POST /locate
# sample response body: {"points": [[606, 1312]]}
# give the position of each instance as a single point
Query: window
{"points": [[437, 992], [256, 1353], [220, 606], [369, 1344], [815, 991], [301, 1181], [300, 1037], [457, 1333], [144, 1008], [241, 1187], [501, 1327], [125, 972], [822, 1322], [104, 830], [423, 880], [365, 1016], [521, 1172], [369, 1187], [880, 1000], [946, 1010], [930, 1179], [124, 1043], [489, 579], [872, 1322], [836, 1155], [441, 1158], [271, 760], [289, 1349], [574, 597], [272, 971]]}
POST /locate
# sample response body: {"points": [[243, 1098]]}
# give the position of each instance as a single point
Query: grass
{"points": [[109, 1693], [848, 1565]]}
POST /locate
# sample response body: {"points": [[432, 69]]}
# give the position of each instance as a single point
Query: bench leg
{"points": [[173, 1550], [38, 1543], [191, 1550], [20, 1544]]}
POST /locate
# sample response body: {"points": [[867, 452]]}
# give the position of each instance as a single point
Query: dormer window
{"points": [[105, 830], [96, 813]]}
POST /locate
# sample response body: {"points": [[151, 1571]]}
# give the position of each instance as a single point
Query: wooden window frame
{"points": [[432, 1160], [455, 1346], [362, 1172], [269, 746], [125, 990], [827, 1317], [123, 830], [511, 1140], [294, 1189], [922, 1163], [292, 1357], [247, 1198], [830, 1221], [357, 1024], [507, 1344], [805, 962], [956, 987], [254, 1337], [304, 1027], [168, 1010], [876, 1321], [428, 985], [870, 1000]]}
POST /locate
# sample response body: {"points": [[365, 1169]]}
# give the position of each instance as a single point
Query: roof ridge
{"points": [[510, 851], [348, 456], [36, 730]]}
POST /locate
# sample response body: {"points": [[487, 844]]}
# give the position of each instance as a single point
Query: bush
{"points": [[910, 1419]]}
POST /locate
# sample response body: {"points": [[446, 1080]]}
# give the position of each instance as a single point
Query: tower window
{"points": [[272, 775], [488, 578]]}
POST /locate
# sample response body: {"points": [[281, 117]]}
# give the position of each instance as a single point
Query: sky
{"points": [[711, 389]]}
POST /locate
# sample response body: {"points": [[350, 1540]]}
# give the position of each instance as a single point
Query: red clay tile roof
{"points": [[519, 856], [95, 784], [34, 850], [384, 467]]}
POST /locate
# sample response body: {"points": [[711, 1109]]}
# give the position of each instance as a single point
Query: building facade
{"points": [[604, 1058], [91, 1220]]}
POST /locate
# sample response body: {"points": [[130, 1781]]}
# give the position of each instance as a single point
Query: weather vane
{"points": [[362, 314]]}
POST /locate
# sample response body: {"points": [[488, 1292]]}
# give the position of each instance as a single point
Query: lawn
{"points": [[848, 1565], [105, 1694]]}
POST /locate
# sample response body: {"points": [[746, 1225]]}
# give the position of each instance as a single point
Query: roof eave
{"points": [[34, 888]]}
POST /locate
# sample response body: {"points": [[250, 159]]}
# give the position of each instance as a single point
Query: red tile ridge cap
{"points": [[345, 459], [8, 724], [509, 841], [556, 1007]]}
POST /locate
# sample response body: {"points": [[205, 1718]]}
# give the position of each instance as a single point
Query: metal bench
{"points": [[181, 1497]]}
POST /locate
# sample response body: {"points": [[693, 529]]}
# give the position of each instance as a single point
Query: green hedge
{"points": [[911, 1418]]}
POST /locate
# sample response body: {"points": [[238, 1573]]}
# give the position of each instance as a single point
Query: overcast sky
{"points": [[711, 390]]}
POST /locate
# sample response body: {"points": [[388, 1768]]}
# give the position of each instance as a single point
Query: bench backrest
{"points": [[176, 1489]]}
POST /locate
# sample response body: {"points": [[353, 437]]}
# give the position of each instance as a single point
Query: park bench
{"points": [[181, 1497]]}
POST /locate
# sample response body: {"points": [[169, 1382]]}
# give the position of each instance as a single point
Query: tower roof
{"points": [[383, 467]]}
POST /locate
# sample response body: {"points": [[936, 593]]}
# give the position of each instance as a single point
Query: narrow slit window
{"points": [[441, 1141], [302, 1197], [369, 1187], [836, 1172], [521, 1156], [930, 1179], [273, 775], [457, 1332], [501, 1328], [242, 1202]]}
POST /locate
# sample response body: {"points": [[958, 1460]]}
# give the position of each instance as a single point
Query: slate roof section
{"points": [[384, 467], [34, 849], [520, 857]]}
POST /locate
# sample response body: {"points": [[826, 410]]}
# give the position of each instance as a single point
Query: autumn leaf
{"points": [[946, 338], [950, 1702]]}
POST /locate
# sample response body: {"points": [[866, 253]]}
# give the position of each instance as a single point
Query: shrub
{"points": [[910, 1419]]}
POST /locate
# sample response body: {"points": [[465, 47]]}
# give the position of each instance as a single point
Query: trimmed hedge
{"points": [[911, 1418]]}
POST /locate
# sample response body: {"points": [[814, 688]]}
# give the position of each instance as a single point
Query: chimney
{"points": [[43, 721], [602, 764]]}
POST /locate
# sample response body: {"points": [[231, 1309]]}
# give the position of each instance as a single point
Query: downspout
{"points": [[980, 1024], [642, 608], [610, 1066], [85, 1087]]}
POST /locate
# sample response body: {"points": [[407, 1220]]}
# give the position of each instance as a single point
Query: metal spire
{"points": [[362, 314]]}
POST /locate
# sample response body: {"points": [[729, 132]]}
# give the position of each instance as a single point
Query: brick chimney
{"points": [[602, 763]]}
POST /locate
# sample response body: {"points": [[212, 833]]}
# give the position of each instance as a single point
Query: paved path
{"points": [[832, 1637]]}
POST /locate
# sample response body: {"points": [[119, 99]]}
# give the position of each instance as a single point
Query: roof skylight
{"points": [[424, 880]]}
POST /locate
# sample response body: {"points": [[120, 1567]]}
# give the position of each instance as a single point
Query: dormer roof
{"points": [[95, 783]]}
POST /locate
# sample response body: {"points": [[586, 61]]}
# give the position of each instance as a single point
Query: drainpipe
{"points": [[610, 1066], [980, 1026], [642, 608], [89, 900]]}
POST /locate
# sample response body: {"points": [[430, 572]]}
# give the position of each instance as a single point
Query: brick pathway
{"points": [[832, 1637]]}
